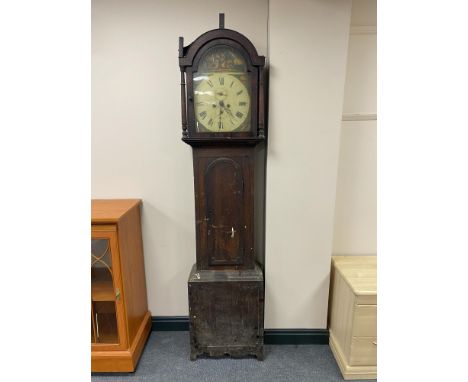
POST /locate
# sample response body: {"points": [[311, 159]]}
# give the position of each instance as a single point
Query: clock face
{"points": [[222, 102], [221, 92]]}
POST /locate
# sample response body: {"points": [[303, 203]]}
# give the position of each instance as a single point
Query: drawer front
{"points": [[365, 321], [363, 351]]}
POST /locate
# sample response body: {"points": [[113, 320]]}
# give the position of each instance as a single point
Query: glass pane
{"points": [[103, 319], [102, 288], [106, 322], [93, 326], [222, 92]]}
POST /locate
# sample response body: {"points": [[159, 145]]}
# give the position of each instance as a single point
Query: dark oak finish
{"points": [[226, 285], [188, 63], [226, 313], [224, 192]]}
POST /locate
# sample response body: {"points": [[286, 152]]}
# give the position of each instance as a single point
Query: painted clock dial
{"points": [[222, 92], [222, 102]]}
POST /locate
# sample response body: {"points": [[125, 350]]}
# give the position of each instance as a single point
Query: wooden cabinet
{"points": [[120, 320], [353, 315]]}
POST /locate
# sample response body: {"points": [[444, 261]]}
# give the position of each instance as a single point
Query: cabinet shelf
{"points": [[108, 338], [104, 323], [102, 291]]}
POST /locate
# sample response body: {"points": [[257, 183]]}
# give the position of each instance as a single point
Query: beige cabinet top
{"points": [[360, 272]]}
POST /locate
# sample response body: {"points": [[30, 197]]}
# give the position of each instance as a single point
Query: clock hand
{"points": [[221, 107], [224, 108], [229, 112], [220, 112], [221, 104]]}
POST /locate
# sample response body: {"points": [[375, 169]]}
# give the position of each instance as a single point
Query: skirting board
{"points": [[272, 336], [169, 323]]}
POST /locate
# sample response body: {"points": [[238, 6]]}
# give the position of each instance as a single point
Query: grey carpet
{"points": [[166, 359]]}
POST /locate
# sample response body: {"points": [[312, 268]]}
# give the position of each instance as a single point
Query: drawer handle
{"points": [[374, 343]]}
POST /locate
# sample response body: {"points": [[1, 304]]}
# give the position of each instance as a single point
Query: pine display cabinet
{"points": [[120, 320]]}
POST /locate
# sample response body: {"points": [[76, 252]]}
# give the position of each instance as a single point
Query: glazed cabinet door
{"points": [[107, 308]]}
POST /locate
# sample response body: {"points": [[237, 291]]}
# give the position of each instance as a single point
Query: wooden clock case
{"points": [[226, 285]]}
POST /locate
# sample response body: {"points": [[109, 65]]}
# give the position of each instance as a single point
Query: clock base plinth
{"points": [[226, 312], [227, 351]]}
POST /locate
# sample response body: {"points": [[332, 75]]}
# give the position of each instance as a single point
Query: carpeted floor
{"points": [[166, 359]]}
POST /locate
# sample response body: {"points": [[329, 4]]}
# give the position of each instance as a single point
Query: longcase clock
{"points": [[223, 113]]}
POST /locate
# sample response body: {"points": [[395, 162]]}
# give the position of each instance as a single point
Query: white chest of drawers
{"points": [[353, 315]]}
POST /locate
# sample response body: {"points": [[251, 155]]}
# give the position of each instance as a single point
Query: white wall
{"points": [[137, 151], [308, 51], [136, 123], [355, 228]]}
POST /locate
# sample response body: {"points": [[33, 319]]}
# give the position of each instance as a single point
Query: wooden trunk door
{"points": [[224, 208]]}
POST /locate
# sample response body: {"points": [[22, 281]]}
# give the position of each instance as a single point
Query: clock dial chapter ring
{"points": [[222, 102]]}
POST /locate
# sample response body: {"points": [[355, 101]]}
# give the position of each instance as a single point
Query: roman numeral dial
{"points": [[222, 103]]}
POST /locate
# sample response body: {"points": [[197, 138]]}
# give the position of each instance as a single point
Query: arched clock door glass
{"points": [[222, 92]]}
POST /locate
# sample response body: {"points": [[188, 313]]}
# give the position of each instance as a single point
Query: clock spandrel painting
{"points": [[222, 92]]}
